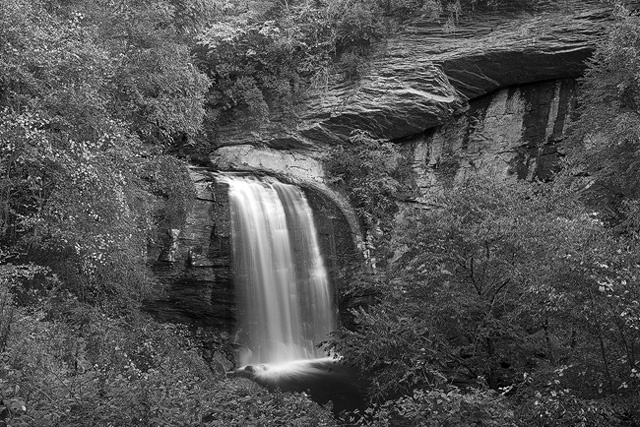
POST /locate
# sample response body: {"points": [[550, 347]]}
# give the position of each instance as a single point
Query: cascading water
{"points": [[285, 300]]}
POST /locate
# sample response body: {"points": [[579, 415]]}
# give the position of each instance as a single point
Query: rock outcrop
{"points": [[194, 266], [513, 132], [293, 166], [424, 77], [494, 97]]}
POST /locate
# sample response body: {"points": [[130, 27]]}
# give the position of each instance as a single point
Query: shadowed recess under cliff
{"points": [[286, 306]]}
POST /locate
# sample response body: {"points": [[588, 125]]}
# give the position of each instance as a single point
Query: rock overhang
{"points": [[423, 77]]}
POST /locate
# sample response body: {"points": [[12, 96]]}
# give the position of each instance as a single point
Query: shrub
{"points": [[77, 367], [366, 170], [500, 281], [435, 408]]}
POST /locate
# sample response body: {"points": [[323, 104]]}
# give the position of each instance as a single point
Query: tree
{"points": [[92, 93], [503, 285], [367, 169], [606, 139]]}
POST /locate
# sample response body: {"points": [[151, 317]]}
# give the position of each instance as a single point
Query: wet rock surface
{"points": [[194, 266], [516, 132]]}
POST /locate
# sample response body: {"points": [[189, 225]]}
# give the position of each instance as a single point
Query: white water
{"points": [[285, 303]]}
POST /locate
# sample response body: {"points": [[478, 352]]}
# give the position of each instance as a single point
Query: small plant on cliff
{"points": [[367, 169], [606, 139]]}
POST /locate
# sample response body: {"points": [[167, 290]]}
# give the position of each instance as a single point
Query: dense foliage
{"points": [[93, 95], [607, 139], [510, 287], [367, 169], [67, 364], [504, 303], [516, 303]]}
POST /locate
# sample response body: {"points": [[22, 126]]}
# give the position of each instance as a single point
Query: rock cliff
{"points": [[424, 77], [194, 264], [495, 96], [515, 131]]}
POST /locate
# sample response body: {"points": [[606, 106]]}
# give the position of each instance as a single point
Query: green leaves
{"points": [[503, 284], [367, 169], [605, 144]]}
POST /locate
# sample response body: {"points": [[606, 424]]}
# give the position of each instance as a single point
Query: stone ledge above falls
{"points": [[303, 168], [424, 76], [527, 50]]}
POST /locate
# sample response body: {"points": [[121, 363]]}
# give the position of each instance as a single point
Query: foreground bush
{"points": [[435, 408], [68, 364], [509, 285]]}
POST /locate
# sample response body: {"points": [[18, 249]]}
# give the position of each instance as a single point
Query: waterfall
{"points": [[285, 301]]}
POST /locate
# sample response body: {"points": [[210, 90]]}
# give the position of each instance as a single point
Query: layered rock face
{"points": [[513, 132], [424, 77], [495, 96], [194, 264]]}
